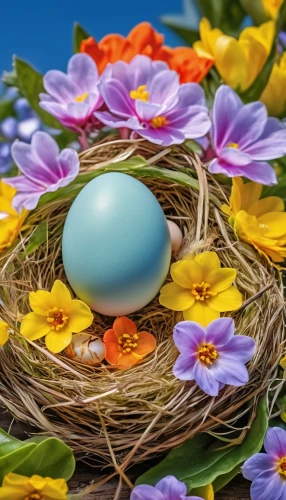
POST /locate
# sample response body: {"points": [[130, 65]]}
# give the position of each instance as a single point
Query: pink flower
{"points": [[72, 98]]}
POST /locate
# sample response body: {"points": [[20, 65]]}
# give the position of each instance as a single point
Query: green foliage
{"points": [[202, 460], [255, 9], [45, 456], [79, 34], [38, 237]]}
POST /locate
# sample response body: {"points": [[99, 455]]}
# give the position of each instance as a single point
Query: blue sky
{"points": [[41, 32]]}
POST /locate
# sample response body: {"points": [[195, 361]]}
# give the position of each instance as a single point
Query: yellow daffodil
{"points": [[238, 61], [271, 7], [259, 222], [4, 332], [274, 96], [16, 487], [283, 362], [201, 288], [10, 220], [55, 315], [205, 492]]}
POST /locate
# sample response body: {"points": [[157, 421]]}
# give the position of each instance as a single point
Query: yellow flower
{"points": [[4, 332], [271, 7], [261, 223], [10, 220], [201, 289], [205, 492], [16, 487], [283, 362], [238, 61], [274, 96], [57, 316]]}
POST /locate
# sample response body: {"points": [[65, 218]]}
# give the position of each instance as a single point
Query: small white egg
{"points": [[86, 349], [176, 236]]}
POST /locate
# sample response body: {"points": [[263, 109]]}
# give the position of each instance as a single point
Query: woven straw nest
{"points": [[122, 416]]}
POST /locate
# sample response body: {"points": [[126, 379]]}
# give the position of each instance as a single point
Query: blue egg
{"points": [[116, 245]]}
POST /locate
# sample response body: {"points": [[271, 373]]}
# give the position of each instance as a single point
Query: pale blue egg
{"points": [[116, 245]]}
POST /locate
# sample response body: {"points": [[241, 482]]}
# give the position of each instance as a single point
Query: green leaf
{"points": [[213, 10], [255, 90], [281, 18], [79, 34], [6, 109], [30, 84], [189, 35], [38, 237], [50, 458], [255, 9], [224, 479], [10, 78], [199, 461]]}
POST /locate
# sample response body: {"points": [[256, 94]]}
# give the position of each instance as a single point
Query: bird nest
{"points": [[119, 417]]}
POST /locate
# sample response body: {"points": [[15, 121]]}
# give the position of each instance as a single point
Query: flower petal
{"points": [[259, 171], [220, 331], [111, 347], [60, 295], [226, 105], [124, 325], [275, 223], [188, 335], [221, 279], [186, 272], [82, 70], [41, 301], [171, 488], [228, 300], [175, 297], [260, 462], [11, 493], [266, 205], [34, 326], [79, 315], [205, 380], [267, 485], [58, 341], [184, 366], [209, 261], [227, 370], [275, 442], [201, 313], [145, 492], [146, 343], [241, 346]]}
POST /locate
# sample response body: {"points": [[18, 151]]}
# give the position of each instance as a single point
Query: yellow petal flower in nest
{"points": [[4, 332], [56, 316], [238, 61], [274, 96], [259, 222], [17, 487], [201, 288], [11, 221]]}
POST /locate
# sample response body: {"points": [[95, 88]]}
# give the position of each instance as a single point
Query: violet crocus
{"points": [[146, 97], [45, 169], [244, 139], [168, 488], [73, 97], [212, 356], [267, 471]]}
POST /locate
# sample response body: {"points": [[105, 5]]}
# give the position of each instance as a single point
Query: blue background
{"points": [[41, 32]]}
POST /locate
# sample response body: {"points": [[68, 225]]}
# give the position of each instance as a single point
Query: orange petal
{"points": [[116, 47], [146, 343], [124, 325], [111, 347], [127, 360], [145, 39], [90, 47]]}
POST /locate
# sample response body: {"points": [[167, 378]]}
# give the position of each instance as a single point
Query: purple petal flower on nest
{"points": [[212, 356], [244, 139], [44, 169], [168, 488], [73, 97], [146, 97], [268, 470]]}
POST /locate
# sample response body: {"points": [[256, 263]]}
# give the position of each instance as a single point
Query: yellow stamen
{"points": [[233, 145], [141, 93], [126, 344], [159, 121], [281, 467], [207, 354], [57, 318], [81, 98], [33, 496], [202, 291]]}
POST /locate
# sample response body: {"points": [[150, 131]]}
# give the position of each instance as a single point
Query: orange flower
{"points": [[144, 39], [124, 346]]}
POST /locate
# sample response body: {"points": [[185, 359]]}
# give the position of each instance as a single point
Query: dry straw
{"points": [[119, 417]]}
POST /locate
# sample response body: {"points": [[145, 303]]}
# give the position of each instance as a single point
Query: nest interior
{"points": [[122, 416]]}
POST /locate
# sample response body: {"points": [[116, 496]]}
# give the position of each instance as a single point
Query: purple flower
{"points": [[245, 139], [268, 470], [6, 162], [73, 97], [146, 97], [168, 488], [44, 169], [212, 356]]}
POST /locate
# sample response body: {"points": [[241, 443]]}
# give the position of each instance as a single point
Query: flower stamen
{"points": [[207, 354], [202, 292], [57, 318], [159, 121], [81, 98], [141, 93], [126, 342], [282, 466], [33, 496], [233, 145]]}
